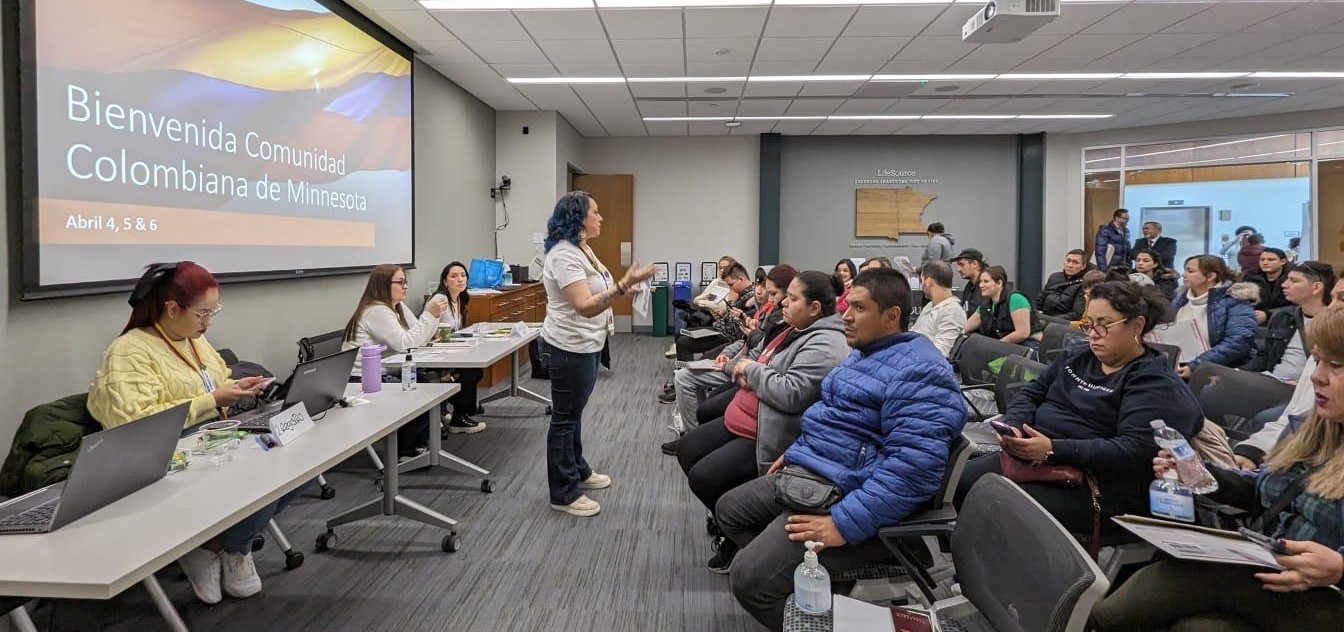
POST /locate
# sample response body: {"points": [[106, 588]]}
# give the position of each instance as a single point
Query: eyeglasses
{"points": [[1100, 331], [207, 314], [401, 282]]}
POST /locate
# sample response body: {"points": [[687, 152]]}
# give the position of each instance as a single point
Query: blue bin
{"points": [[681, 291]]}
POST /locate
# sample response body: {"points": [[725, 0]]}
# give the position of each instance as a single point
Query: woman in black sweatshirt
{"points": [[1091, 409]]}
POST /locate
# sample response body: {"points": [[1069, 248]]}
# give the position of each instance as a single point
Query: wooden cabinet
{"points": [[527, 304]]}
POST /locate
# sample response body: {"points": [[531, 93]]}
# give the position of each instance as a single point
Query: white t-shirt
{"points": [[379, 325], [564, 327]]}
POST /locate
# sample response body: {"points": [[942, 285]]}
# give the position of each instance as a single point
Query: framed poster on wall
{"points": [[709, 270]]}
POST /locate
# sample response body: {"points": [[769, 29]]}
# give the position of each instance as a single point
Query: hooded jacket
{"points": [[882, 431], [1230, 323], [791, 382], [1271, 292], [1109, 235], [1062, 295], [939, 249]]}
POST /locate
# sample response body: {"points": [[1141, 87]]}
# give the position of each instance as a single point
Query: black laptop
{"points": [[319, 383]]}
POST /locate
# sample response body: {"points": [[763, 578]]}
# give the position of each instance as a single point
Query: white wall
{"points": [[696, 198], [1064, 165], [55, 345], [530, 161]]}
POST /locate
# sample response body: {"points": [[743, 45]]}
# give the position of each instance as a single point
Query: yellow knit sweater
{"points": [[140, 376]]}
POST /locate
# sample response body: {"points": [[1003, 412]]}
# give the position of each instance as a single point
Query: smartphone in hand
{"points": [[1000, 426], [1273, 545]]}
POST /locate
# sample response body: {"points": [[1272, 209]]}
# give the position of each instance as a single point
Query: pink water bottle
{"points": [[371, 367]]}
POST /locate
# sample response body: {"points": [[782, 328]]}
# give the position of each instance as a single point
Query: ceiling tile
{"points": [[508, 51], [975, 106], [667, 128], [906, 67], [712, 108], [717, 69], [832, 128], [865, 106], [651, 51], [526, 70], [1146, 17], [930, 127], [807, 21], [481, 25], [662, 108], [471, 70], [417, 25], [642, 23], [587, 52], [951, 20], [830, 88], [1088, 46], [793, 49], [763, 107], [766, 68], [551, 97], [702, 128], [752, 128], [653, 70], [866, 48], [1075, 18], [849, 67], [796, 128], [1236, 45], [1304, 45], [813, 107], [1305, 18], [451, 52], [712, 23], [1161, 46], [983, 63], [584, 122], [658, 89], [881, 128], [553, 24], [772, 89], [579, 69], [702, 50], [934, 47], [1017, 51], [878, 21], [1230, 17], [917, 106], [725, 90]]}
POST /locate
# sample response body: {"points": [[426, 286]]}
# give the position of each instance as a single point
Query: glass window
{"points": [[1101, 159], [1330, 143], [1330, 212], [1253, 148], [1101, 196]]}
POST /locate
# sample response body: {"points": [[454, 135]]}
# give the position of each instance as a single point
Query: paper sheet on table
{"points": [[643, 300], [1186, 334], [1198, 544]]}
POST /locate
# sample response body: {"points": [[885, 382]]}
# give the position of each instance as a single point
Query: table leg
{"points": [[392, 503], [19, 618], [437, 456], [515, 389], [166, 609]]}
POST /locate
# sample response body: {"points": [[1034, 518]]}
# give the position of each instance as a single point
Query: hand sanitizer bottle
{"points": [[408, 373], [811, 583]]}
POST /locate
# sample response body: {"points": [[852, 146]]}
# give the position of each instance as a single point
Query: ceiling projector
{"points": [[1005, 21]]}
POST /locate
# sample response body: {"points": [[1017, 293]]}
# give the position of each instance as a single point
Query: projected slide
{"points": [[263, 135]]}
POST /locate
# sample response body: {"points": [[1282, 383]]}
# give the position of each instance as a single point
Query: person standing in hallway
{"points": [[1153, 240], [579, 293], [940, 245], [1113, 240]]}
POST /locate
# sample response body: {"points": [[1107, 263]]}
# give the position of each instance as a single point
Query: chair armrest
{"points": [[987, 386]]}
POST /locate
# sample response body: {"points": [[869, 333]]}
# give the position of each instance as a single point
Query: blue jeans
{"points": [[572, 378], [238, 538]]}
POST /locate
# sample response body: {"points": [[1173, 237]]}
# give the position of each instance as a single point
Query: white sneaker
{"points": [[240, 575], [671, 351], [582, 507], [202, 569], [596, 481]]}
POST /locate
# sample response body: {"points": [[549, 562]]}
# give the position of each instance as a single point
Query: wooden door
{"points": [[615, 196]]}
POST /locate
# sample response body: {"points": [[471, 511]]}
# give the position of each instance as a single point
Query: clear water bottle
{"points": [[811, 583], [408, 373], [1189, 468], [1168, 498]]}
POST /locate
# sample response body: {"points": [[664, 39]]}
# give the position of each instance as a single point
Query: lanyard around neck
{"points": [[199, 367]]}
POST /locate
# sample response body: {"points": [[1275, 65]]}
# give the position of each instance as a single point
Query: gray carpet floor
{"points": [[639, 565]]}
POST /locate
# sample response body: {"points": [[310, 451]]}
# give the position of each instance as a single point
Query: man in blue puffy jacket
{"points": [[881, 433]]}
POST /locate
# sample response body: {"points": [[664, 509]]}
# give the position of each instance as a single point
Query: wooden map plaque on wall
{"points": [[889, 212]]}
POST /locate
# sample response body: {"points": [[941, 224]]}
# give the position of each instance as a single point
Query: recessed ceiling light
{"points": [[715, 90], [721, 51], [732, 123], [566, 79]]}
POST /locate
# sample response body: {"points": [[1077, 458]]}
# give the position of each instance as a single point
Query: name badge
{"points": [[290, 424]]}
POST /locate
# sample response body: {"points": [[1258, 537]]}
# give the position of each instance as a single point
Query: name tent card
{"points": [[291, 424]]}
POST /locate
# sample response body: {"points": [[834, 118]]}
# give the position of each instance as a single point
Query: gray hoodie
{"points": [[791, 382], [939, 249]]}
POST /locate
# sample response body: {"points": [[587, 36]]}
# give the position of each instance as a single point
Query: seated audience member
{"points": [[777, 381], [1091, 279], [940, 245], [877, 262], [689, 387], [970, 263], [1062, 295], [881, 433], [1248, 258], [1297, 497], [1152, 240], [453, 288], [705, 299], [845, 273], [770, 295], [1147, 263], [1221, 308], [1008, 315], [1269, 277], [942, 320], [1251, 452], [162, 359], [726, 321], [383, 318], [1091, 409], [1307, 288]]}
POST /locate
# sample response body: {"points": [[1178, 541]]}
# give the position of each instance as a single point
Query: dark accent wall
{"points": [[772, 146], [1030, 211]]}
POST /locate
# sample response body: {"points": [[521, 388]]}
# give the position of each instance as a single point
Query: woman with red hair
{"points": [[162, 359]]}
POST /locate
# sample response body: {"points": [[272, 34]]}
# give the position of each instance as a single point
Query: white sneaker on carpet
{"points": [[240, 575], [596, 481], [203, 571], [671, 351], [582, 507]]}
